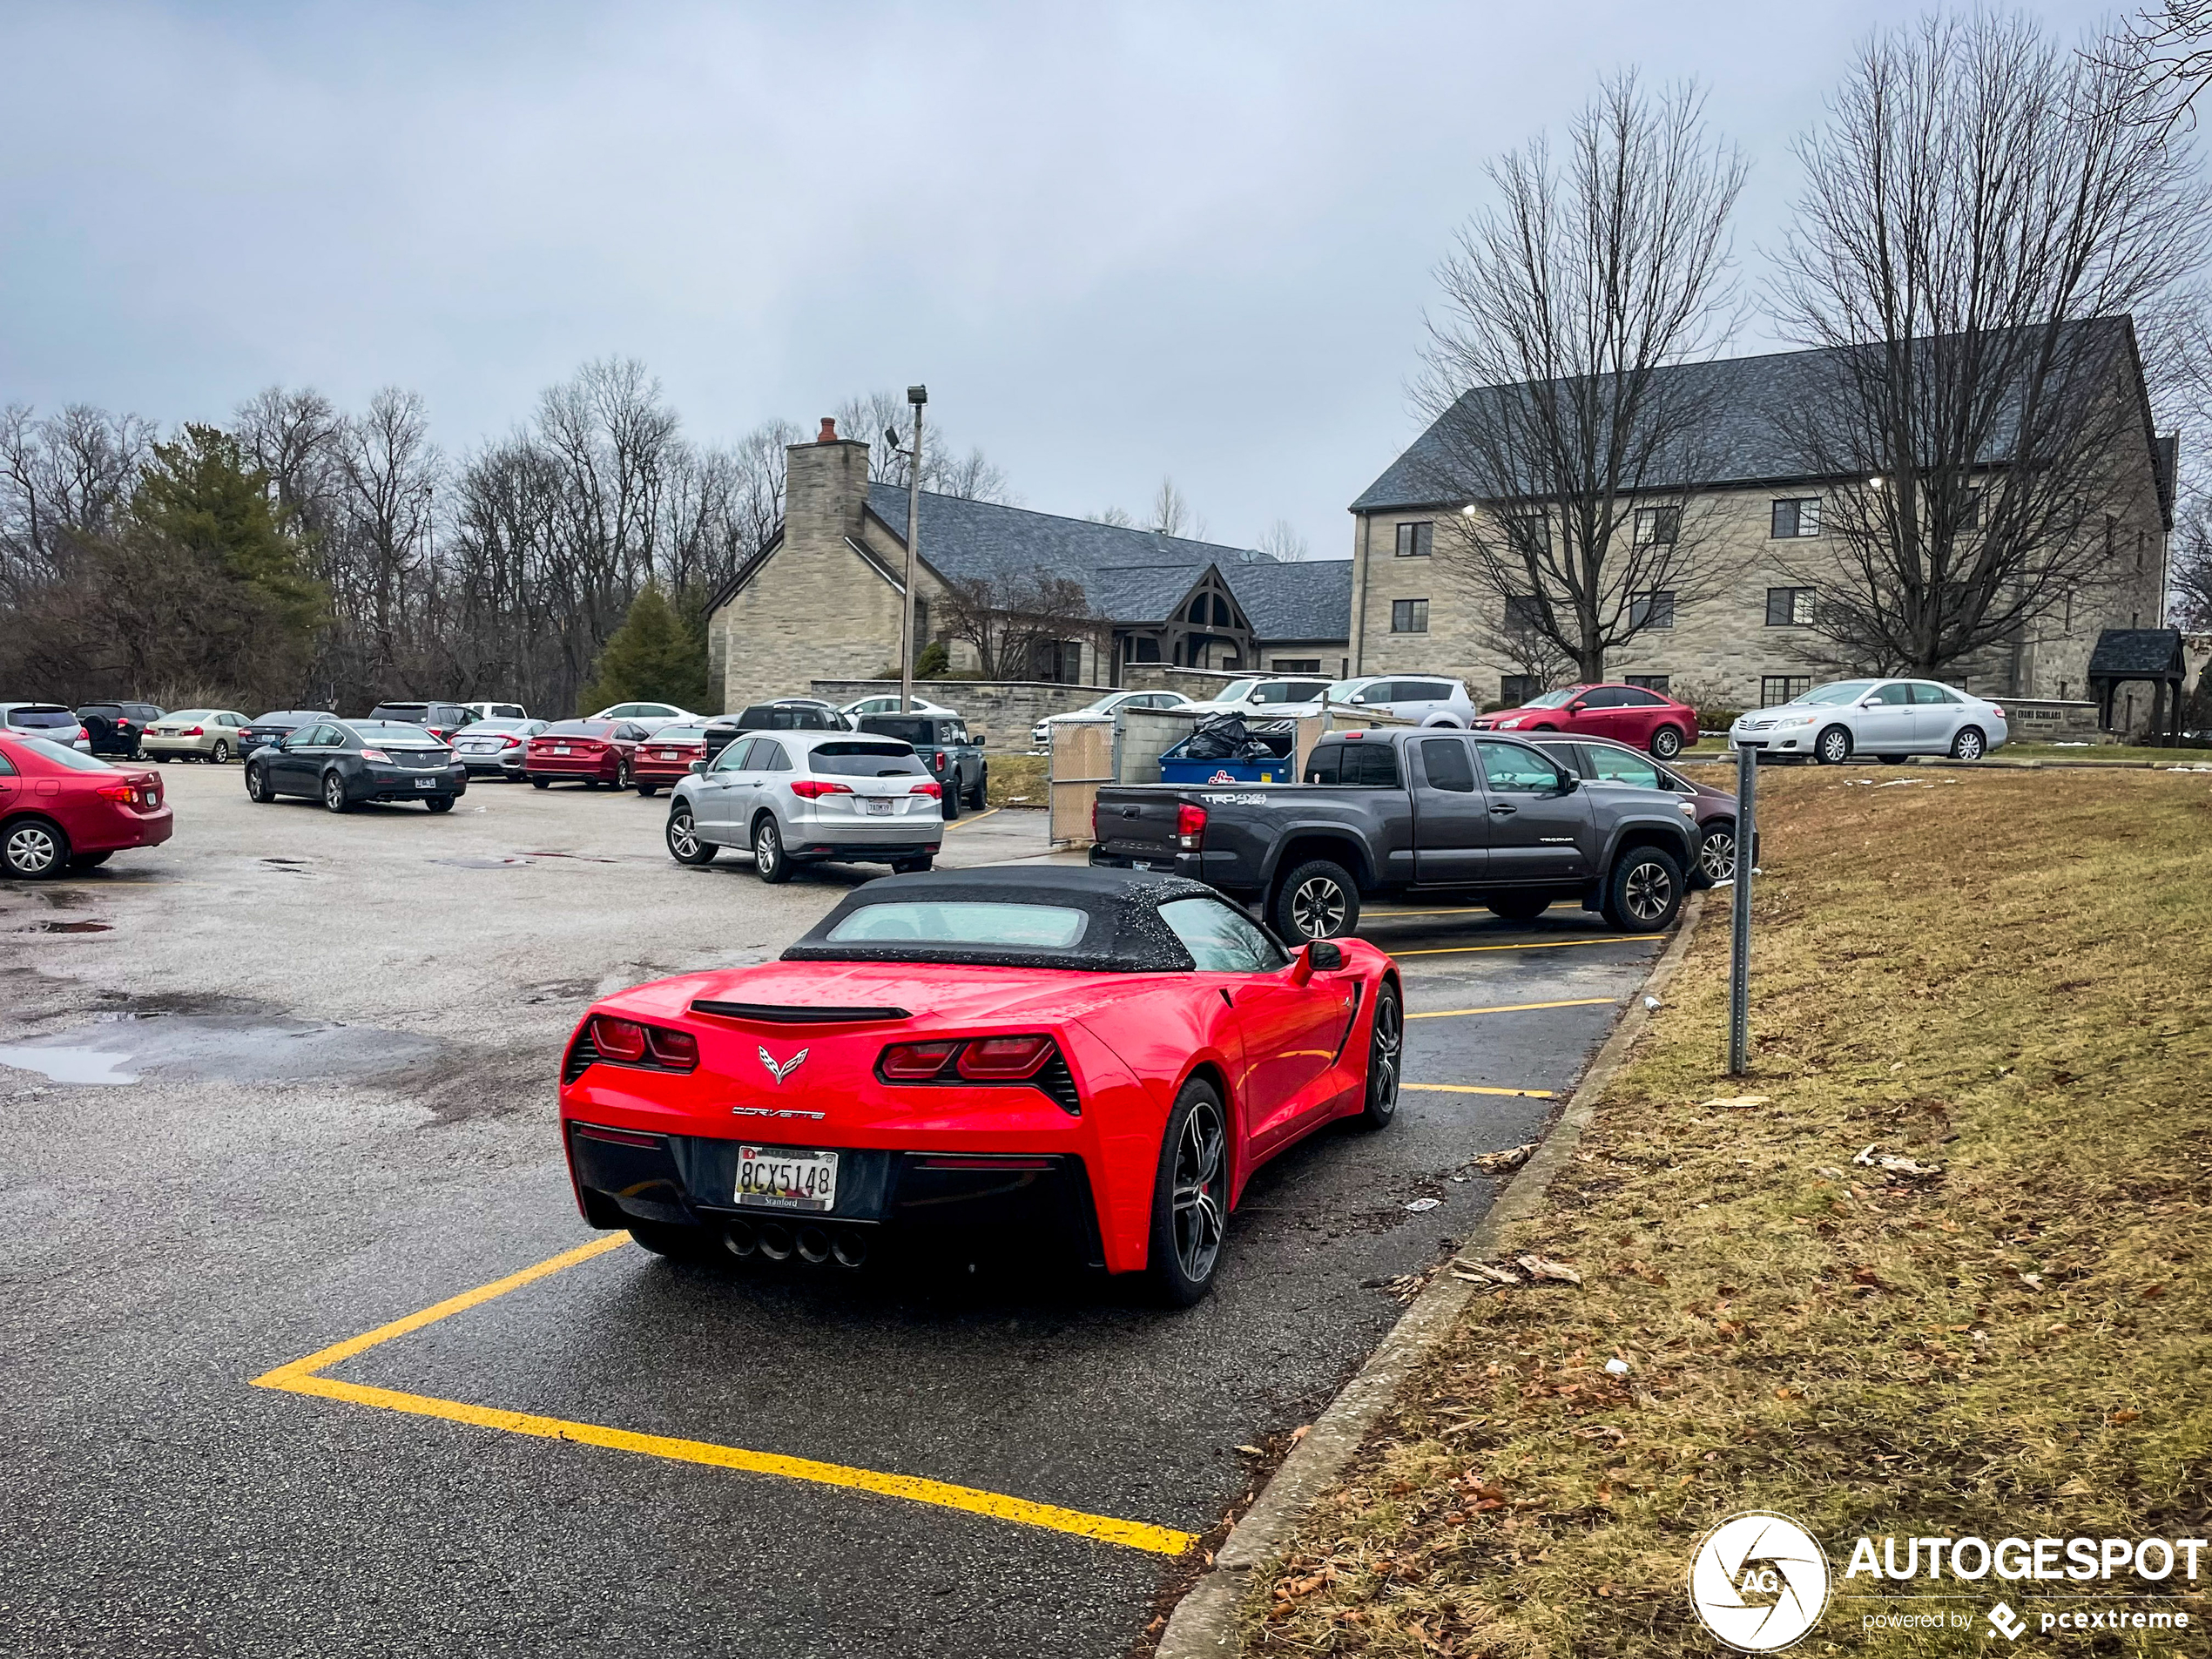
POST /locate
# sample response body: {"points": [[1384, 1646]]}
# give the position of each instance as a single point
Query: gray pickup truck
{"points": [[1391, 812]]}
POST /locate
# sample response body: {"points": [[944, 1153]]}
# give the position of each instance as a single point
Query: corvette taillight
{"points": [[1004, 1059], [627, 1043], [916, 1062], [814, 789], [1189, 826]]}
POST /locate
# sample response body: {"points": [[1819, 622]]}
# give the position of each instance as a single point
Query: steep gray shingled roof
{"points": [[2136, 650], [967, 539], [1295, 601], [1746, 441], [1131, 575]]}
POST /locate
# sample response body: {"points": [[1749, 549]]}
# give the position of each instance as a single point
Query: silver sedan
{"points": [[793, 798], [1888, 719]]}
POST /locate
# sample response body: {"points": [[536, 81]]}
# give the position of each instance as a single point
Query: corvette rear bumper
{"points": [[690, 1180]]}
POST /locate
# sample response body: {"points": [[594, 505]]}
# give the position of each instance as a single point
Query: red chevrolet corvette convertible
{"points": [[1091, 1056]]}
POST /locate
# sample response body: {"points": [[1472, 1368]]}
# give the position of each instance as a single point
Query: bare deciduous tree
{"points": [[1014, 618], [1554, 415], [1977, 200], [1283, 543], [884, 422]]}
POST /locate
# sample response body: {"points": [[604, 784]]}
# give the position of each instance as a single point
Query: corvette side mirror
{"points": [[1325, 955]]}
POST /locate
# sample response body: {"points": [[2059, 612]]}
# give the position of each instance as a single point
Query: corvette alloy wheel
{"points": [[1384, 1051], [1200, 1192], [1717, 853]]}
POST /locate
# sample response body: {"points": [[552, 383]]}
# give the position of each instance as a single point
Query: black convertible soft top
{"points": [[1124, 935]]}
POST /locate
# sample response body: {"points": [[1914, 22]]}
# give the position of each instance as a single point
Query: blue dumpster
{"points": [[1273, 769]]}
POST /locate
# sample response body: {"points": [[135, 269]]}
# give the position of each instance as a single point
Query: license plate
{"points": [[425, 783], [879, 807], [775, 1178], [664, 754], [559, 750]]}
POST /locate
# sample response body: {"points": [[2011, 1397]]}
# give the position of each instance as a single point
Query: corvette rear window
{"points": [[1034, 926]]}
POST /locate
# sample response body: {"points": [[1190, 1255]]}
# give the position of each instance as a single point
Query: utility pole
{"points": [[916, 395], [1739, 962]]}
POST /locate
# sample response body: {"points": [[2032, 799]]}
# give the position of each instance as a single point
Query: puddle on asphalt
{"points": [[67, 928], [135, 1046], [483, 864], [285, 861]]}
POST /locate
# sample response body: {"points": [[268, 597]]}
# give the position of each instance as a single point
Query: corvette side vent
{"points": [[1059, 1082], [582, 1053], [795, 1013]]}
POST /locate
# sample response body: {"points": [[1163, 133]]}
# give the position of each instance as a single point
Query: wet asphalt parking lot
{"points": [[290, 1078]]}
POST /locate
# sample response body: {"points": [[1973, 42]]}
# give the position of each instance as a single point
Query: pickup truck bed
{"points": [[1378, 813]]}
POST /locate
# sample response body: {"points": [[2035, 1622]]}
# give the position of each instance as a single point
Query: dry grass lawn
{"points": [[2000, 975]]}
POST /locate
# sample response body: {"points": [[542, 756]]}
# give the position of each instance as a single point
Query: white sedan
{"points": [[1105, 709], [888, 703], [1888, 719], [651, 716]]}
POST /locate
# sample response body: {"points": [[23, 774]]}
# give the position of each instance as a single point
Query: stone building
{"points": [[1747, 642], [823, 599]]}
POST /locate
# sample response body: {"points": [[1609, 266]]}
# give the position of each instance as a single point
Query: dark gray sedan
{"points": [[344, 763]]}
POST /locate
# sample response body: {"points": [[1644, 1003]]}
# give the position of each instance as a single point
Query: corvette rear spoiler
{"points": [[794, 1013]]}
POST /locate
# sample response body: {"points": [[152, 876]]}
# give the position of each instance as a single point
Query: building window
{"points": [[1409, 615], [1514, 689], [1649, 682], [2141, 540], [1970, 517], [1781, 688], [2112, 532], [1416, 541], [1658, 526], [1797, 517], [1528, 533], [1523, 611], [1197, 611], [1652, 609], [1296, 665], [1148, 649], [1788, 607]]}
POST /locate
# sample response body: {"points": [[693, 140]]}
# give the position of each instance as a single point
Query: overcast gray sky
{"points": [[1117, 241]]}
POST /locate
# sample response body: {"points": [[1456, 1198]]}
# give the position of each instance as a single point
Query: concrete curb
{"points": [[1204, 1624]]}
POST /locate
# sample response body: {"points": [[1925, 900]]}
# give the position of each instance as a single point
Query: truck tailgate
{"points": [[1137, 821]]}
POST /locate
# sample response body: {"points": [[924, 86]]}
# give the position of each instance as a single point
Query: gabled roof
{"points": [[1295, 601], [964, 539], [2127, 653], [1744, 440]]}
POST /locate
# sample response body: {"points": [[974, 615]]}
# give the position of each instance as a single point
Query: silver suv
{"points": [[795, 797], [1425, 698]]}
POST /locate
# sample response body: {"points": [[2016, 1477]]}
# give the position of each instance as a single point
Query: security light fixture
{"points": [[917, 395]]}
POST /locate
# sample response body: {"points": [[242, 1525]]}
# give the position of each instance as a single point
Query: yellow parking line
{"points": [[1392, 915], [1517, 1007], [963, 823], [301, 1377], [1533, 944], [1472, 1089]]}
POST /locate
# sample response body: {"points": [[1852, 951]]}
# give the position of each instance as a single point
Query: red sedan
{"points": [[665, 759], [590, 752], [1630, 714], [1090, 1057], [60, 809]]}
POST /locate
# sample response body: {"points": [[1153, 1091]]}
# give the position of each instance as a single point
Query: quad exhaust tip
{"points": [[846, 1246]]}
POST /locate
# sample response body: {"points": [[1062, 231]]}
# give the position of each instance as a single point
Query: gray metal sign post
{"points": [[1739, 963]]}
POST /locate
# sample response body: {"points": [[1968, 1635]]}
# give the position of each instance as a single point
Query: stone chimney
{"points": [[826, 491]]}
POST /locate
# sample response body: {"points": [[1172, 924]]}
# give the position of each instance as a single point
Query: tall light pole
{"points": [[916, 395]]}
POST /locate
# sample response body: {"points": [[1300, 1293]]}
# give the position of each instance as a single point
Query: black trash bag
{"points": [[1220, 739]]}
